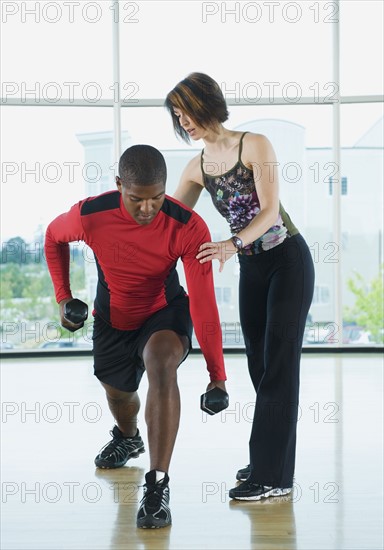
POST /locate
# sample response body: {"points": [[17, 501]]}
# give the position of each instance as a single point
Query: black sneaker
{"points": [[116, 453], [154, 509], [253, 491], [243, 474]]}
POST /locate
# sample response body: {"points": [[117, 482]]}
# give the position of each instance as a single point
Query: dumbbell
{"points": [[214, 401], [76, 312]]}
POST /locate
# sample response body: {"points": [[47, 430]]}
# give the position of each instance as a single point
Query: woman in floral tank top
{"points": [[276, 272]]}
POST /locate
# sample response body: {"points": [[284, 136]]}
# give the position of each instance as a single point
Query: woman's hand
{"points": [[221, 251]]}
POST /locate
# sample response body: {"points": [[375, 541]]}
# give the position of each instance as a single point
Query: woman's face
{"points": [[195, 131]]}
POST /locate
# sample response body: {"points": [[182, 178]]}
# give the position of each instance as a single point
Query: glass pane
{"points": [[253, 49], [360, 124], [61, 156], [66, 53], [362, 225], [361, 47]]}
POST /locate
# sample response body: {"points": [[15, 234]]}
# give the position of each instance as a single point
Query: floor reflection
{"points": [[278, 511], [125, 485]]}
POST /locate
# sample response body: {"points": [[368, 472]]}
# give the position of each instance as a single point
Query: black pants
{"points": [[276, 290]]}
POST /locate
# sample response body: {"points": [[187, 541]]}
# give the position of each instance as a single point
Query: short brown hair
{"points": [[199, 97]]}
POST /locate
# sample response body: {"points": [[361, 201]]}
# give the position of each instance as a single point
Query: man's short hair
{"points": [[142, 165]]}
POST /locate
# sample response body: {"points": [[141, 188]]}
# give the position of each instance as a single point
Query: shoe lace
{"points": [[153, 495], [118, 445]]}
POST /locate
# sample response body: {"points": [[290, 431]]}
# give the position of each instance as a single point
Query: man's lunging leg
{"points": [[162, 355]]}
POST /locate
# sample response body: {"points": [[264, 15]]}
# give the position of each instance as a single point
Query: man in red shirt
{"points": [[142, 315]]}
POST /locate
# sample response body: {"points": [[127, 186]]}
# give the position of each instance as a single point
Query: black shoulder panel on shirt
{"points": [[106, 201], [176, 211]]}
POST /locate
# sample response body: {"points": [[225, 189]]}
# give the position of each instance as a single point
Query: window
{"points": [[65, 95], [344, 186], [223, 295], [321, 295]]}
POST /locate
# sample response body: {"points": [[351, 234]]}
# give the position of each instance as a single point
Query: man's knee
{"points": [[165, 347], [116, 395], [163, 353]]}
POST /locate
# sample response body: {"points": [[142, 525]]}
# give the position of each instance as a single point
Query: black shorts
{"points": [[118, 354]]}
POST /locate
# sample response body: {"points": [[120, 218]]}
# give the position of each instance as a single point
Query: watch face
{"points": [[237, 242]]}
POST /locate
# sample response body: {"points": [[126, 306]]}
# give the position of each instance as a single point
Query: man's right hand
{"points": [[216, 384], [66, 323]]}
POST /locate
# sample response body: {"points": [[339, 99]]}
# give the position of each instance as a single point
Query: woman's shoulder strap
{"points": [[241, 145]]}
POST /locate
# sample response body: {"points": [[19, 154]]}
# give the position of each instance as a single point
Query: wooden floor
{"points": [[55, 419]]}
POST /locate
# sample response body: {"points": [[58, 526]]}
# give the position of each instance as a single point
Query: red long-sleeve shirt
{"points": [[137, 265]]}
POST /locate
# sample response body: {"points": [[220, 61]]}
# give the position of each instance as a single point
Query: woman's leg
{"points": [[273, 436], [253, 296]]}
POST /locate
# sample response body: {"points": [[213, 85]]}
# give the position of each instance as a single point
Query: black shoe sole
{"points": [[149, 522], [107, 466]]}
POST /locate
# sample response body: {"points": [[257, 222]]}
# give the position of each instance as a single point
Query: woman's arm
{"points": [[258, 153], [191, 184]]}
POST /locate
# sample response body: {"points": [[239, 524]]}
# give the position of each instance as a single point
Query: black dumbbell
{"points": [[214, 401], [76, 312]]}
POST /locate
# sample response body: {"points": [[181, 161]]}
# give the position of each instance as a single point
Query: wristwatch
{"points": [[238, 243]]}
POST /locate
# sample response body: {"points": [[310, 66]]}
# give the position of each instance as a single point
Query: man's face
{"points": [[142, 202]]}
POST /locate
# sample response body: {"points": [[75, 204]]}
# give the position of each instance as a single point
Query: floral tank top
{"points": [[235, 198]]}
